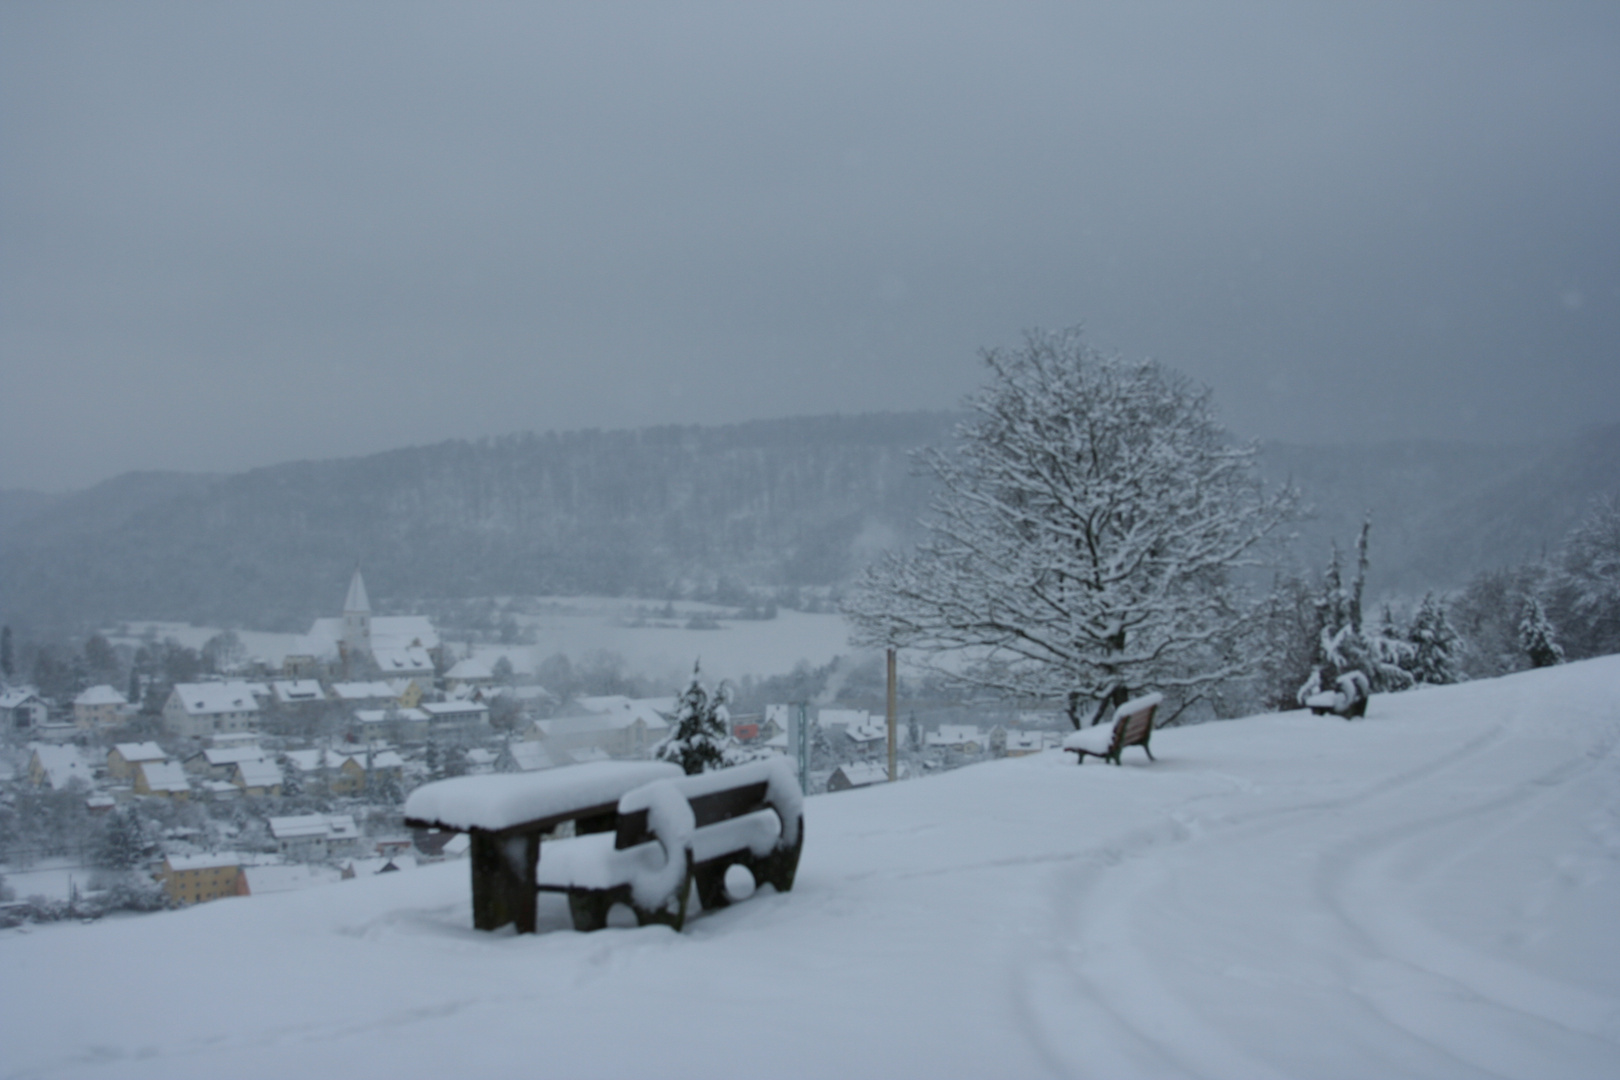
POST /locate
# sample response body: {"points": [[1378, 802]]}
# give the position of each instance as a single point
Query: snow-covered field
{"points": [[1433, 891], [577, 627]]}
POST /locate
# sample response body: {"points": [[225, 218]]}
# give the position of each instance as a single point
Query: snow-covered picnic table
{"points": [[645, 834]]}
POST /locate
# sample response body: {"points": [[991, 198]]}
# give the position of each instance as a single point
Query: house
{"points": [[219, 763], [196, 710], [314, 837], [481, 761], [523, 755], [456, 715], [22, 709], [124, 756], [775, 724], [469, 673], [393, 722], [841, 719], [165, 779], [862, 774], [1024, 743], [869, 737], [57, 767], [962, 738], [363, 695], [293, 693], [196, 879], [100, 707], [619, 726], [343, 772], [257, 777]]}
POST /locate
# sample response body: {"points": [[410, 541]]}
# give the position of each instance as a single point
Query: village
{"points": [[268, 780]]}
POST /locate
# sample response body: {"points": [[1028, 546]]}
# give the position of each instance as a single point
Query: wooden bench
{"points": [[1133, 726], [644, 835]]}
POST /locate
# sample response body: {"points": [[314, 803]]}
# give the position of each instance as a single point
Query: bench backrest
{"points": [[1134, 728], [708, 808]]}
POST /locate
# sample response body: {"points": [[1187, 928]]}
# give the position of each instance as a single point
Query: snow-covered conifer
{"points": [[1083, 538], [701, 740], [1537, 637], [1434, 642]]}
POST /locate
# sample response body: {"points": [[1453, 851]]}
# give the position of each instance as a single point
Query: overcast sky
{"points": [[238, 234]]}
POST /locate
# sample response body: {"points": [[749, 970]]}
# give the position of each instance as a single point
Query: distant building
{"points": [[257, 777], [618, 726], [315, 837], [57, 767], [100, 707], [22, 709], [196, 879], [123, 757], [198, 710], [355, 643], [471, 673], [861, 774], [165, 779]]}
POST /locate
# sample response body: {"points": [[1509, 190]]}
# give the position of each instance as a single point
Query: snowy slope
{"points": [[1430, 892]]}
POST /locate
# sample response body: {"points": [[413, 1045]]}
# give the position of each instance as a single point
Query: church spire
{"points": [[357, 602]]}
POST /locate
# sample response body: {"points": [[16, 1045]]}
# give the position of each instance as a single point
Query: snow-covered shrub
{"points": [[702, 737]]}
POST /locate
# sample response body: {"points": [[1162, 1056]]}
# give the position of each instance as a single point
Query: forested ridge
{"points": [[674, 510]]}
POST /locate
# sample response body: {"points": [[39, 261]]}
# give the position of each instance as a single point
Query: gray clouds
{"points": [[233, 235]]}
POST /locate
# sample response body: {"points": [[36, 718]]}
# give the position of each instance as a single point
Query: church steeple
{"points": [[357, 618]]}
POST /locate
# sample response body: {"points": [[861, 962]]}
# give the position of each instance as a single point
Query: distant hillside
{"points": [[795, 502], [789, 502]]}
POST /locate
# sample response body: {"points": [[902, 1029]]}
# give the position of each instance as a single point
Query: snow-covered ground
{"points": [[1430, 892]]}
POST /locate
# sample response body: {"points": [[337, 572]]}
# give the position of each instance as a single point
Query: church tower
{"points": [[357, 619]]}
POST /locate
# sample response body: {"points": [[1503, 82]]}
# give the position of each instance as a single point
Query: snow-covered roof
{"points": [[314, 826], [62, 764], [441, 710], [868, 732], [164, 776], [297, 691], [213, 861], [16, 696], [133, 752], [531, 756], [471, 668], [620, 711], [402, 660], [862, 773], [101, 695], [220, 756], [258, 773], [387, 632], [361, 691], [380, 716], [202, 699]]}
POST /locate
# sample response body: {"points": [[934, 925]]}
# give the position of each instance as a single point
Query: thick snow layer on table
{"points": [[497, 802], [1429, 892]]}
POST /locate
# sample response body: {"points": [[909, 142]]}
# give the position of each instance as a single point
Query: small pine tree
{"points": [[1435, 644], [701, 739], [1536, 636]]}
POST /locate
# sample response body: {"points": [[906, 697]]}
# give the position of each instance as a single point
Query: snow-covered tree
{"points": [[1583, 593], [702, 739], [1374, 661], [1435, 644], [1083, 538], [1537, 637], [123, 844]]}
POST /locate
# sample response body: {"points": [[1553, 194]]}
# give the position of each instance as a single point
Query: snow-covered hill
{"points": [[1430, 892]]}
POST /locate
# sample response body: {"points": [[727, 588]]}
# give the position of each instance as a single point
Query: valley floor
{"points": [[1430, 892]]}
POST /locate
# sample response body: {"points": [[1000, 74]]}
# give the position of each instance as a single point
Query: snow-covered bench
{"points": [[1133, 726], [1348, 701], [645, 833]]}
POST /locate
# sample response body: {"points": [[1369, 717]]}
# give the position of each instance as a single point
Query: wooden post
{"points": [[893, 718]]}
